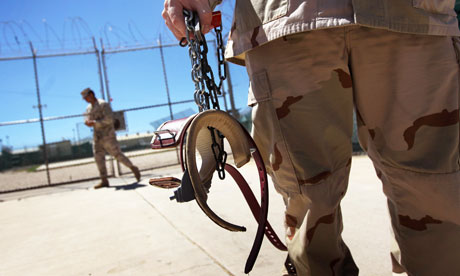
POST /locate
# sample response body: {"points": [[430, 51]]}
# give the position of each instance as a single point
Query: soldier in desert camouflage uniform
{"points": [[310, 63], [99, 117]]}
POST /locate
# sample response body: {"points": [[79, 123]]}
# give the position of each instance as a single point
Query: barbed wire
{"points": [[76, 35], [16, 36]]}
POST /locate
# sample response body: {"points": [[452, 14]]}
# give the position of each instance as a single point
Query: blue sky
{"points": [[135, 78]]}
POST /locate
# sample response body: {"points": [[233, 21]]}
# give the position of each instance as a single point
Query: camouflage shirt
{"points": [[101, 112], [257, 22]]}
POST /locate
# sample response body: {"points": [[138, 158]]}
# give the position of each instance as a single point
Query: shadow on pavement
{"points": [[127, 187]]}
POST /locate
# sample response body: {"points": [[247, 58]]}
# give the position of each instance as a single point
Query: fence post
{"points": [[99, 70], [166, 78], [42, 125], [167, 89], [106, 78]]}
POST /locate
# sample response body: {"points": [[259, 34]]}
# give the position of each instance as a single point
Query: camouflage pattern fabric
{"points": [[104, 136], [110, 145], [101, 112], [258, 22], [405, 89]]}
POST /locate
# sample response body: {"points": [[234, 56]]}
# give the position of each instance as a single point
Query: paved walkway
{"points": [[134, 229]]}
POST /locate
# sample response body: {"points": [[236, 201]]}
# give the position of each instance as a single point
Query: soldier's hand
{"points": [[174, 17]]}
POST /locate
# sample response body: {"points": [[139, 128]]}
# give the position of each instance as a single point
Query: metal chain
{"points": [[206, 90], [220, 154], [220, 58]]}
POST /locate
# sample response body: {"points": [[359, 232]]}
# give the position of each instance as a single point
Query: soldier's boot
{"points": [[103, 183], [136, 172]]}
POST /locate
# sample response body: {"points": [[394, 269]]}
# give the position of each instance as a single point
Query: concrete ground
{"points": [[134, 229], [82, 170]]}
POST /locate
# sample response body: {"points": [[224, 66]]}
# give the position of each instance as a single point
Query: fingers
{"points": [[173, 29], [174, 18], [205, 14]]}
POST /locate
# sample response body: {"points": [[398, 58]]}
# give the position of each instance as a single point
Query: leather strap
{"points": [[254, 206], [259, 214]]}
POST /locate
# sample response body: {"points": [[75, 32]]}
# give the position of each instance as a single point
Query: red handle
{"points": [[216, 19]]}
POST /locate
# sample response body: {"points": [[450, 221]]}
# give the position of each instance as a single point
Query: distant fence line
{"points": [[100, 55]]}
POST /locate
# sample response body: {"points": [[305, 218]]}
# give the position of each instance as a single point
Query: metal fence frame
{"points": [[104, 90]]}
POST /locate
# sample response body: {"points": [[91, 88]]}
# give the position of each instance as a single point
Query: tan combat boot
{"points": [[103, 183], [136, 172]]}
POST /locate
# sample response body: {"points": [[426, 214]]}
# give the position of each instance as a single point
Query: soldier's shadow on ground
{"points": [[127, 187]]}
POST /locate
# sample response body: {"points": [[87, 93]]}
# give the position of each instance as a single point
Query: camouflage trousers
{"points": [[109, 144], [404, 89]]}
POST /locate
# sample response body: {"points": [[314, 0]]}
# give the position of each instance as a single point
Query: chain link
{"points": [[206, 90], [218, 150], [220, 58]]}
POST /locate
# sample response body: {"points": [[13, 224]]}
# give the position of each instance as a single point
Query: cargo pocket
{"points": [[268, 135], [259, 88], [436, 6]]}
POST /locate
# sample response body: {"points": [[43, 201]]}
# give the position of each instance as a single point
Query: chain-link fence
{"points": [[68, 156]]}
